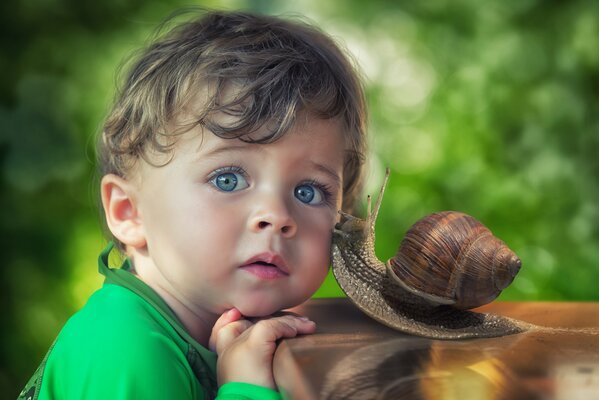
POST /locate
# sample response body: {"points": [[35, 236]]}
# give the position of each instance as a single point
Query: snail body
{"points": [[447, 263]]}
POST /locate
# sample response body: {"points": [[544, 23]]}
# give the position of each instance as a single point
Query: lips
{"points": [[266, 266]]}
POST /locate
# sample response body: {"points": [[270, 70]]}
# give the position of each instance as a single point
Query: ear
{"points": [[121, 212]]}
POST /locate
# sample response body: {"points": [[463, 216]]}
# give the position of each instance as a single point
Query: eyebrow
{"points": [[326, 170], [227, 149]]}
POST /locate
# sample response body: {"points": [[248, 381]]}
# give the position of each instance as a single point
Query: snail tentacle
{"points": [[371, 216]]}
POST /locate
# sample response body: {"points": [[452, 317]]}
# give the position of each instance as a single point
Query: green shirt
{"points": [[126, 343]]}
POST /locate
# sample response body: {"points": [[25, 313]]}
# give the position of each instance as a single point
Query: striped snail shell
{"points": [[451, 258], [447, 263]]}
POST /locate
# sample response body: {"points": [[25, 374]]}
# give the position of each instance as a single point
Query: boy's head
{"points": [[234, 141], [276, 68]]}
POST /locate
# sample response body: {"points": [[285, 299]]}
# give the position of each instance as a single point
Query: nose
{"points": [[273, 215]]}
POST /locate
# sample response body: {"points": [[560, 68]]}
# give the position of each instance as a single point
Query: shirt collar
{"points": [[123, 277]]}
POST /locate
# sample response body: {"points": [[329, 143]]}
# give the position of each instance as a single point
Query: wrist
{"points": [[247, 375]]}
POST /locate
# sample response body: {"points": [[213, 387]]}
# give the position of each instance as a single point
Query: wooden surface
{"points": [[351, 356]]}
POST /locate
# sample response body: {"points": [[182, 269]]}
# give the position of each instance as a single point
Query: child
{"points": [[229, 150]]}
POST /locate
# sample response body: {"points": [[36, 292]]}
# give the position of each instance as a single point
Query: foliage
{"points": [[489, 109]]}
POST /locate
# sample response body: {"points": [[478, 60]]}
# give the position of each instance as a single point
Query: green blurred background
{"points": [[491, 108]]}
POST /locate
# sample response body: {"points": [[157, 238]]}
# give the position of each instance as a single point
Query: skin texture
{"points": [[188, 239]]}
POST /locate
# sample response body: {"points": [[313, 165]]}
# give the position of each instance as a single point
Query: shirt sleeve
{"points": [[246, 391]]}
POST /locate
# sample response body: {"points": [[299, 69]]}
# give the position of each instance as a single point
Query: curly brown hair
{"points": [[279, 67]]}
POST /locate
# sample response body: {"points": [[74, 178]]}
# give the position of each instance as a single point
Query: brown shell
{"points": [[451, 258]]}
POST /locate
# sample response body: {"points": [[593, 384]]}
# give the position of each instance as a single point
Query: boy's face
{"points": [[221, 211]]}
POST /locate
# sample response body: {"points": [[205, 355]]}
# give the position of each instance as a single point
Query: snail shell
{"points": [[451, 258], [447, 262]]}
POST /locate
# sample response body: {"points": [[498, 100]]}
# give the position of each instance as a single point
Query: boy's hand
{"points": [[245, 349]]}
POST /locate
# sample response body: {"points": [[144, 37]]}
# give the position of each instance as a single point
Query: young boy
{"points": [[233, 143]]}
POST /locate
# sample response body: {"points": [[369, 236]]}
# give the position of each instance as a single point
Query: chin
{"points": [[262, 308], [257, 310]]}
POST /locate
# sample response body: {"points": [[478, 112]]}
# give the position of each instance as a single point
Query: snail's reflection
{"points": [[424, 369]]}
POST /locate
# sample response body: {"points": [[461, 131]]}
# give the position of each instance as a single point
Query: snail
{"points": [[447, 263]]}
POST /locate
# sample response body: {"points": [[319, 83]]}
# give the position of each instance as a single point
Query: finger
{"points": [[226, 318], [271, 330], [228, 333], [283, 313]]}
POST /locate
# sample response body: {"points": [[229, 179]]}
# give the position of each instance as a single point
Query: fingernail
{"points": [[304, 318]]}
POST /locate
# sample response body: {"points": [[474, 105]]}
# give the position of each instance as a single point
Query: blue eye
{"points": [[229, 181], [308, 194]]}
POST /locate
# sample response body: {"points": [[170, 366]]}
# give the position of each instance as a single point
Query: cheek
{"points": [[319, 243], [216, 228], [323, 243], [197, 229]]}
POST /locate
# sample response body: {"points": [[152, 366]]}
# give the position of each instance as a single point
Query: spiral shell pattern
{"points": [[453, 258]]}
